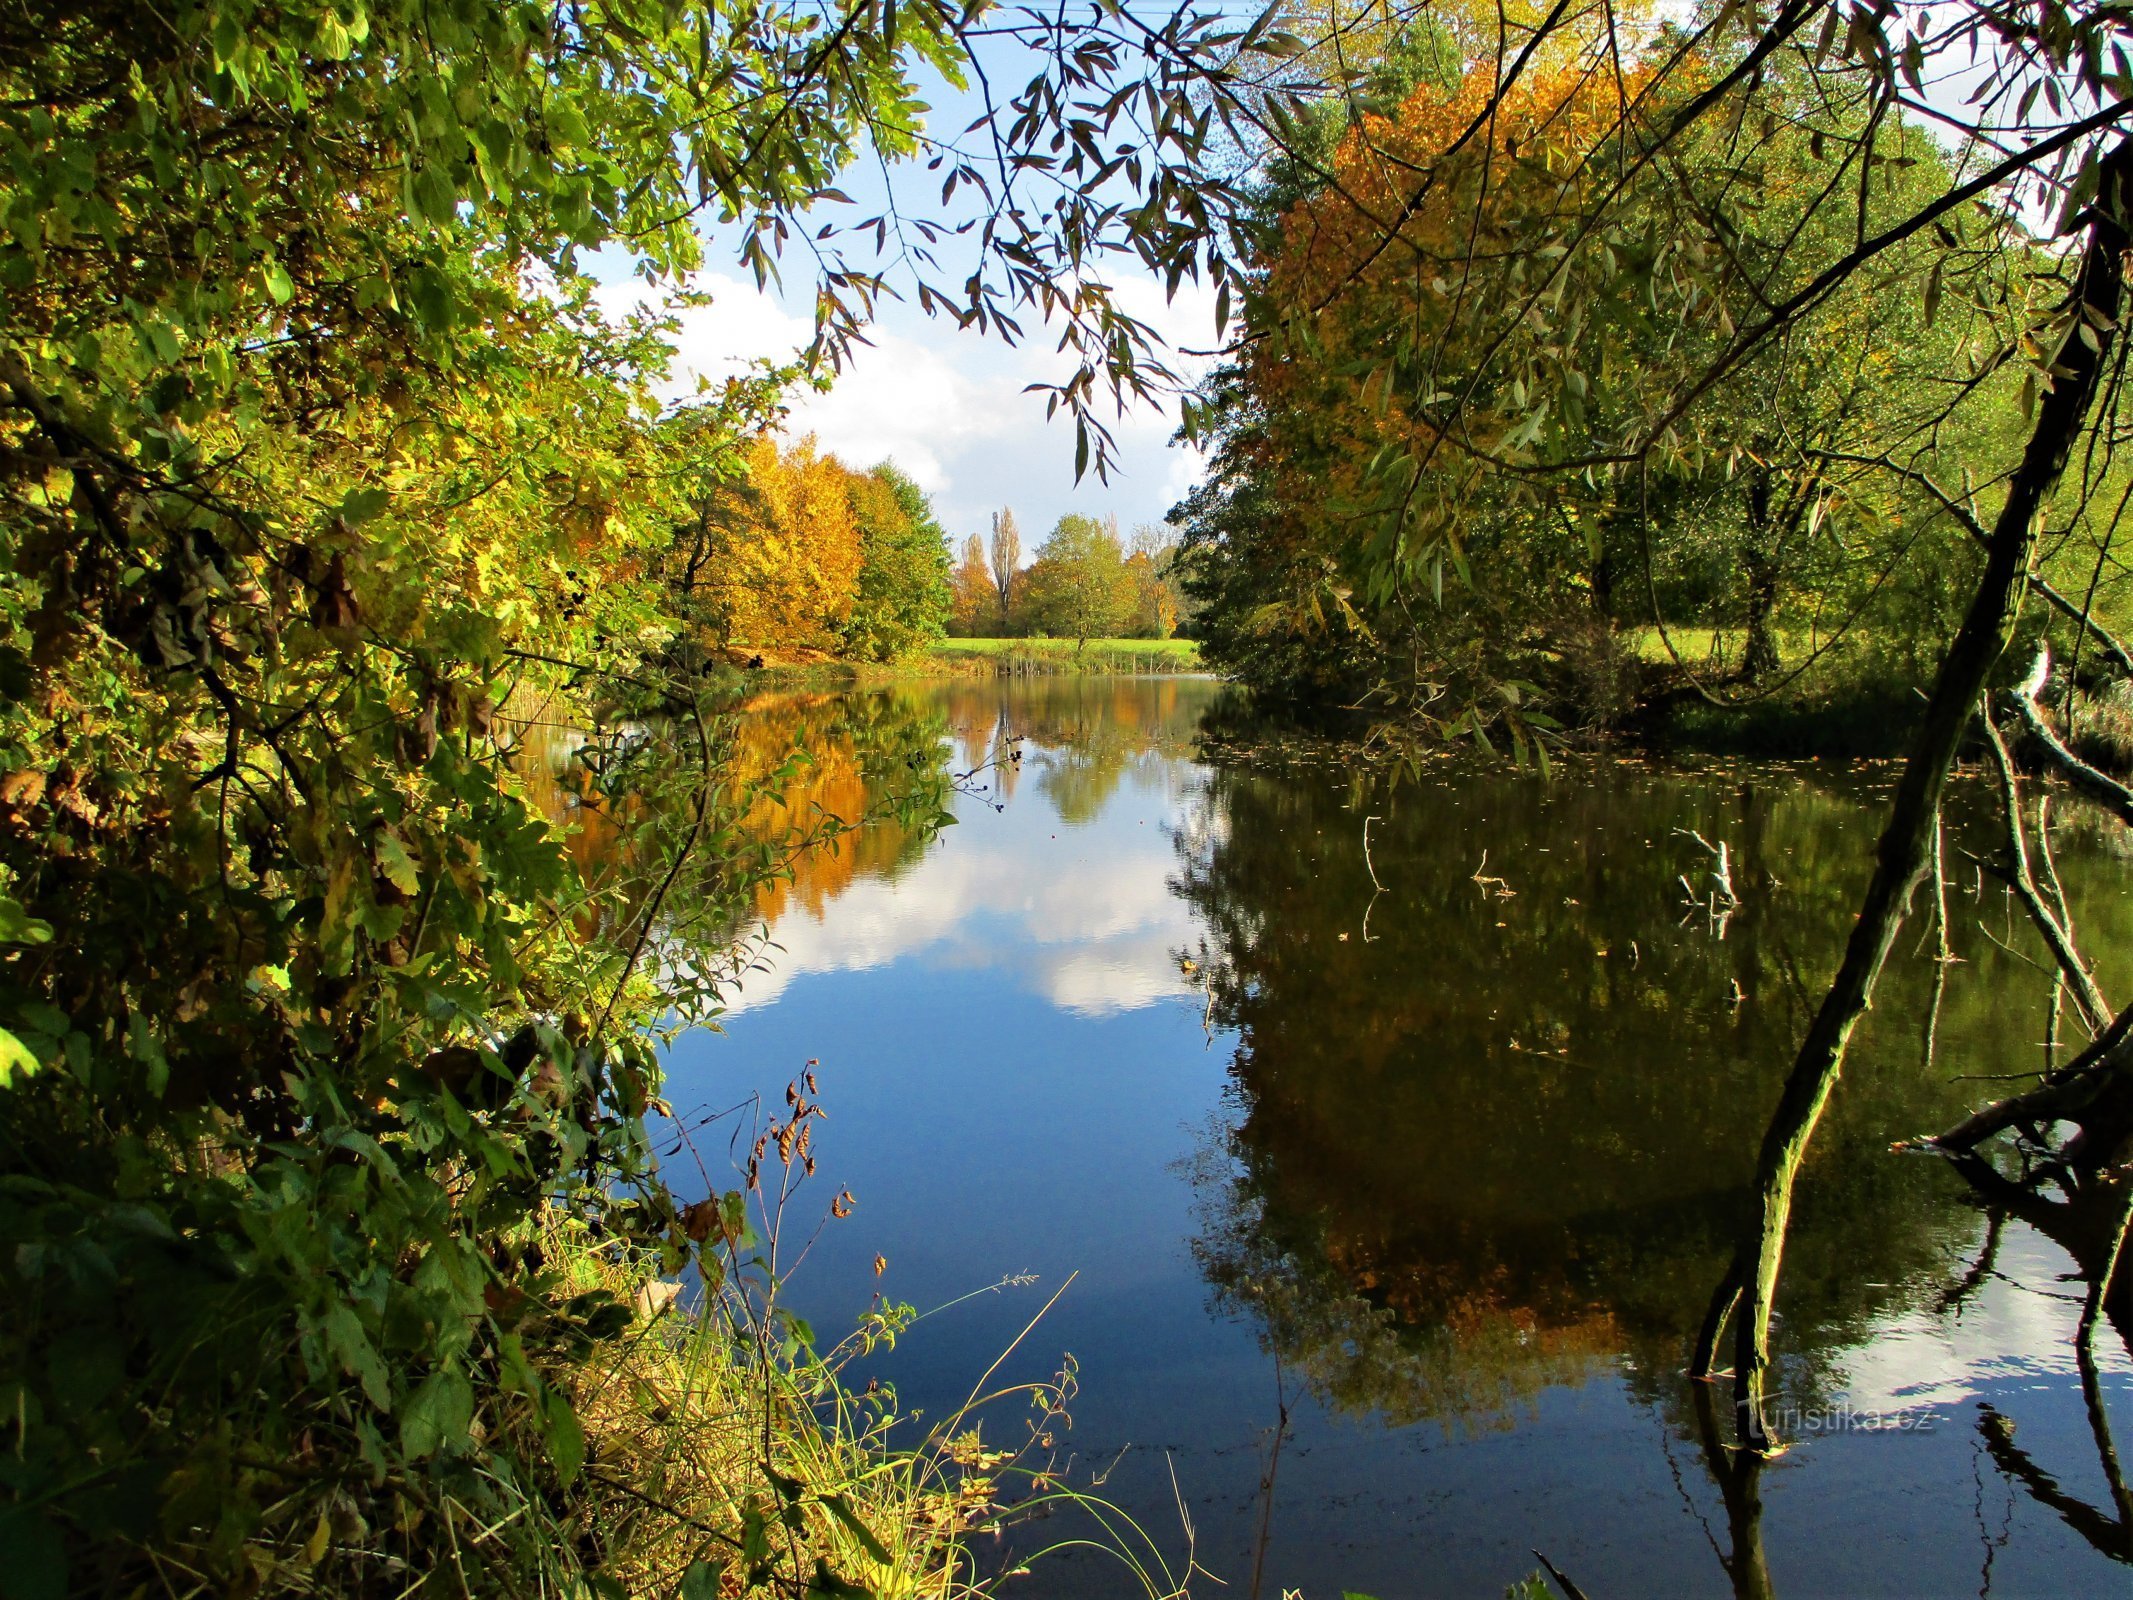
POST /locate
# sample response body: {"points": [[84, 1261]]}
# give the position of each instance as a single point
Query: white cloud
{"points": [[950, 406], [2006, 1336]]}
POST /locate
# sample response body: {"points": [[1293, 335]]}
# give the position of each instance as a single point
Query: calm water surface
{"points": [[1440, 1152]]}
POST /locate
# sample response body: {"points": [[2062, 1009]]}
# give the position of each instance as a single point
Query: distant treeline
{"points": [[1085, 583]]}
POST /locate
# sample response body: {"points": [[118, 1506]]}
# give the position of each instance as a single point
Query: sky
{"points": [[950, 406], [947, 405]]}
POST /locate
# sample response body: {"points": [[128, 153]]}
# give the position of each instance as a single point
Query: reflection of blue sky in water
{"points": [[1077, 913], [1019, 1081]]}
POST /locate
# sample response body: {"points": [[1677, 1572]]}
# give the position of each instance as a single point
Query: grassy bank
{"points": [[1009, 658], [725, 1454]]}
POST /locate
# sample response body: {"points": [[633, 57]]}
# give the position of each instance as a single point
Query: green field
{"points": [[1040, 657], [1695, 643]]}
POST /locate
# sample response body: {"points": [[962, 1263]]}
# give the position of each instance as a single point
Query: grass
{"points": [[729, 1451], [1043, 657], [1703, 646], [725, 1456]]}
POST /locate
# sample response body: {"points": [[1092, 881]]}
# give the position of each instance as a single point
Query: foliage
{"points": [[1608, 330], [795, 548], [787, 566], [974, 607], [1079, 587], [902, 600], [1159, 604], [315, 461]]}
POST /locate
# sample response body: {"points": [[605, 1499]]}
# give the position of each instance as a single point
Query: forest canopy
{"points": [[1625, 366]]}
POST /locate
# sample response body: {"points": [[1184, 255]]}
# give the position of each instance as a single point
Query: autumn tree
{"points": [[974, 608], [1151, 560], [787, 567]]}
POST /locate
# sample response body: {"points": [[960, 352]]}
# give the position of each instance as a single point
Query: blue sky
{"points": [[947, 405]]}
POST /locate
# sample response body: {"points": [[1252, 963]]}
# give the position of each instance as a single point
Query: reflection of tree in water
{"points": [[1504, 1143], [825, 767], [1355, 1328], [1088, 733], [808, 794]]}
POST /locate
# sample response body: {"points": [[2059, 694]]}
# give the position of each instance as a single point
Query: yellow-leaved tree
{"points": [[790, 569]]}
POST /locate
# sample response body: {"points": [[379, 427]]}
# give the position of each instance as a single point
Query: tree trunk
{"points": [[1906, 842], [1759, 564]]}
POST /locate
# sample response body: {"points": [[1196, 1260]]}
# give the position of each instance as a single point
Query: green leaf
{"points": [[701, 1581], [359, 506], [438, 1414], [15, 1060], [352, 1348], [278, 284], [827, 1584], [566, 1435], [397, 864], [146, 1048], [840, 1508], [46, 1018]]}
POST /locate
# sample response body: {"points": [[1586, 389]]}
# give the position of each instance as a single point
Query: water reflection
{"points": [[1441, 1104], [1502, 1143], [1507, 1138], [1093, 941]]}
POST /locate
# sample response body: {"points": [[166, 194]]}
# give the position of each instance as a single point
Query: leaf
{"points": [[15, 1060], [438, 1414], [19, 927], [566, 1435], [146, 1048], [279, 287], [701, 1581], [397, 865], [827, 1584], [352, 1348], [840, 1508], [359, 506]]}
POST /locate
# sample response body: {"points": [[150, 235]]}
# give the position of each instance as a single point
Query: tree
{"points": [[1549, 260], [1006, 552], [1152, 562], [789, 573], [314, 449], [974, 605], [1079, 587], [902, 603]]}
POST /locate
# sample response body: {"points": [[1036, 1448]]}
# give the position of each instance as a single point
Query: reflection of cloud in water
{"points": [[2015, 1331], [1080, 914]]}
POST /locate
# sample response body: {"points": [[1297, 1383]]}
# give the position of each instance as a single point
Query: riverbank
{"points": [[800, 667], [1033, 658], [725, 1450]]}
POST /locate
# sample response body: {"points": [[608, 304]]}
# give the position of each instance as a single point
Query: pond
{"points": [[1421, 1114]]}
